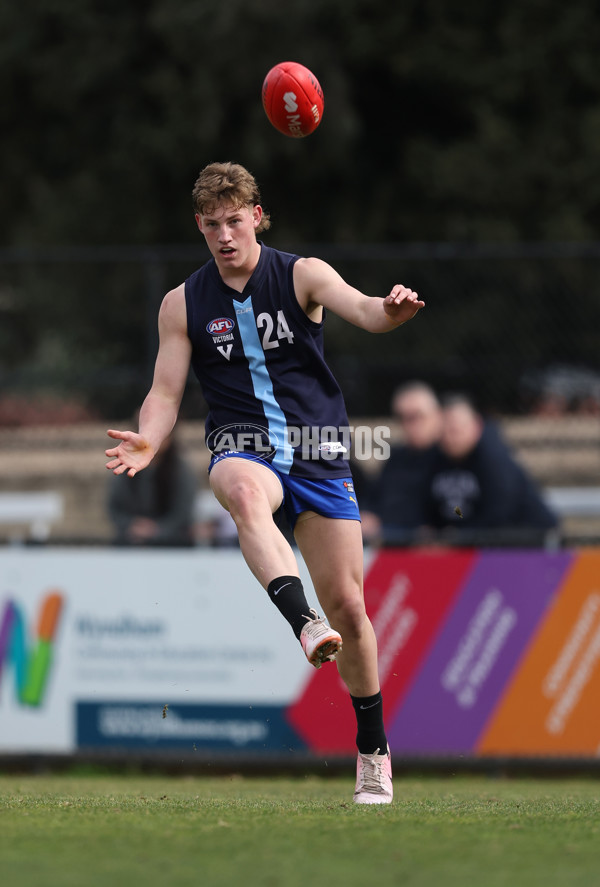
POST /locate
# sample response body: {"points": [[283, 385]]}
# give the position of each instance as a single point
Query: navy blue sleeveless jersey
{"points": [[259, 360]]}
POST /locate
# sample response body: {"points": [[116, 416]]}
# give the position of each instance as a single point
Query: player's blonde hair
{"points": [[220, 183]]}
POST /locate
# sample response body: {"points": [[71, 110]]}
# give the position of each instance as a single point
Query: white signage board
{"points": [[141, 648]]}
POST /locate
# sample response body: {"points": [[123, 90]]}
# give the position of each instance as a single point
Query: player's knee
{"points": [[246, 500], [348, 615]]}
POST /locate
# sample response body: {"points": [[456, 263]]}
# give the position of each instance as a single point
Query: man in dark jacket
{"points": [[477, 485]]}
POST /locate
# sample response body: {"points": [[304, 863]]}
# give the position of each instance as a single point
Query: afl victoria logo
{"points": [[220, 325]]}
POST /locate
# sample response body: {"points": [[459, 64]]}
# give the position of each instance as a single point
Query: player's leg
{"points": [[251, 492], [333, 550]]}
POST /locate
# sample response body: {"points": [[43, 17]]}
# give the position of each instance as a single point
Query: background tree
{"points": [[444, 123]]}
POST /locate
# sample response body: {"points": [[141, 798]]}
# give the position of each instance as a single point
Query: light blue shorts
{"points": [[332, 497]]}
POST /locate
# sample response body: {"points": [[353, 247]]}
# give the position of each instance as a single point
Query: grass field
{"points": [[163, 830]]}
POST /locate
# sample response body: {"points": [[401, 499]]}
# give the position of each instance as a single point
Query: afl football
{"points": [[293, 99]]}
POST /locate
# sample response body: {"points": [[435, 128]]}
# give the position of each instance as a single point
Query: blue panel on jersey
{"points": [[263, 386]]}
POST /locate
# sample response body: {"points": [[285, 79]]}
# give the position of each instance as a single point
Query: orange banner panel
{"points": [[551, 703]]}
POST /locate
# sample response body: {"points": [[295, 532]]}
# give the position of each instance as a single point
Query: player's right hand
{"points": [[131, 455]]}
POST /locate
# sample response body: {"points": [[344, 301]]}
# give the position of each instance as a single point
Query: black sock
{"points": [[369, 719], [287, 594]]}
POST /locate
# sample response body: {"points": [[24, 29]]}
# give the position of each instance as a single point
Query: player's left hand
{"points": [[402, 304]]}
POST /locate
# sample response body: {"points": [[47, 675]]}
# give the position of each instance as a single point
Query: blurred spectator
{"points": [[587, 405], [394, 506], [476, 484], [156, 507], [561, 389], [550, 405]]}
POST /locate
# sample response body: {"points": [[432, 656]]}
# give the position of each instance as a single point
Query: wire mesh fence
{"points": [[518, 327]]}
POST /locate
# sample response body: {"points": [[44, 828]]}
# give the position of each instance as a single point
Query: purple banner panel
{"points": [[484, 636]]}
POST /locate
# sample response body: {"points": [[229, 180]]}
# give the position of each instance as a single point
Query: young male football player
{"points": [[250, 321]]}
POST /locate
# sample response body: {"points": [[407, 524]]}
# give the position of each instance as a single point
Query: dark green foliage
{"points": [[476, 121], [443, 122]]}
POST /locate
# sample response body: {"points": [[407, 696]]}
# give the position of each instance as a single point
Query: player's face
{"points": [[230, 234]]}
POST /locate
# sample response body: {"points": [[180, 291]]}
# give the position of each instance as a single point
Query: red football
{"points": [[292, 99]]}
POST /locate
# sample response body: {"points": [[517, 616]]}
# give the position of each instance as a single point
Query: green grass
{"points": [[170, 831]]}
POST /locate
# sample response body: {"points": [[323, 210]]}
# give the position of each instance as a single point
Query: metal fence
{"points": [[515, 325]]}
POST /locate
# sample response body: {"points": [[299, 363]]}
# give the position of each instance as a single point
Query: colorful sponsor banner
{"points": [[408, 594], [480, 653], [551, 705], [483, 639]]}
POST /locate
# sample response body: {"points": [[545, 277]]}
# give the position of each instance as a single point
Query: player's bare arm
{"points": [[318, 284], [161, 406]]}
